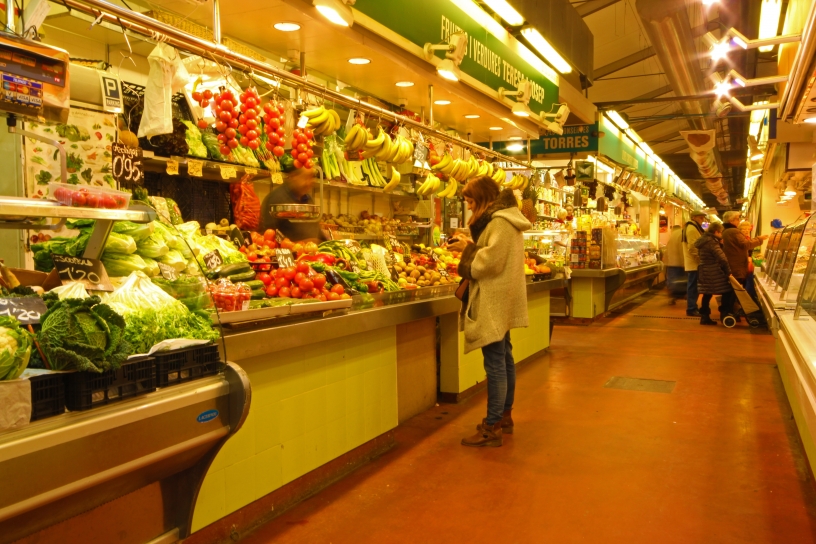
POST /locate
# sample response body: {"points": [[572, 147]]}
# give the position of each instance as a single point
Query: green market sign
{"points": [[491, 60], [618, 147], [576, 139]]}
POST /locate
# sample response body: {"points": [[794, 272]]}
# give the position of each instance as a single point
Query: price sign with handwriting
{"points": [[421, 152], [172, 167], [168, 272], [285, 258], [237, 237], [89, 272], [279, 237], [27, 310], [195, 168], [392, 242], [213, 259], [227, 172], [126, 165]]}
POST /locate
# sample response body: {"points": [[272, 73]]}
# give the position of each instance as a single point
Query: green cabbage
{"points": [[152, 268], [173, 258], [193, 137], [137, 231], [15, 348], [225, 247], [120, 243], [153, 246], [120, 264]]}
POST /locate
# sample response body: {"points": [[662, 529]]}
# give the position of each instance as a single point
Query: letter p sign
{"points": [[111, 92]]}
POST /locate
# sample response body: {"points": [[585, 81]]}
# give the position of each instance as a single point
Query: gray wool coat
{"points": [[497, 300]]}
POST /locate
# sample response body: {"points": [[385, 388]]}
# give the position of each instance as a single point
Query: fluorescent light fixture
{"points": [[515, 138], [646, 149], [753, 149], [472, 116], [359, 60], [515, 147], [757, 120], [810, 120], [336, 11], [543, 46], [442, 102], [720, 50], [405, 84], [448, 70], [506, 12], [616, 118], [496, 128], [769, 21], [520, 109], [790, 190], [287, 27]]}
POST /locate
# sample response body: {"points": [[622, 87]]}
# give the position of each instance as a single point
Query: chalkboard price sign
{"points": [[168, 272], [285, 258], [237, 237], [27, 310], [213, 259], [126, 165], [420, 152], [89, 272]]}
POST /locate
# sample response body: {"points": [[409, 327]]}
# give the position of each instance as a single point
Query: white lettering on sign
{"points": [[629, 159], [565, 142]]}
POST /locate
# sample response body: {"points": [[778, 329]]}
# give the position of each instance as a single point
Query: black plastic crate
{"points": [[47, 395], [203, 200], [86, 390], [183, 365]]}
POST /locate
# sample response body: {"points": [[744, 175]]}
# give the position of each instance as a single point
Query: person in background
{"points": [[675, 263], [496, 300], [296, 189], [736, 247], [746, 228], [713, 273], [691, 233]]}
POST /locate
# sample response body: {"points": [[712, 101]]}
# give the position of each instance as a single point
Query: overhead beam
{"points": [[591, 6], [625, 62], [660, 91]]}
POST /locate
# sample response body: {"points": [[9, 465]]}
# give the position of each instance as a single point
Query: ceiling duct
{"points": [[669, 29]]}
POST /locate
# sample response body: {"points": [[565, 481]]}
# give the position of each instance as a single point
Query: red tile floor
{"points": [[716, 460]]}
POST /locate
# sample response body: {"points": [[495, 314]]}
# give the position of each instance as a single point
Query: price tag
{"points": [[27, 310], [89, 272], [353, 245], [354, 266], [227, 171], [172, 167], [237, 237], [391, 242], [421, 152], [454, 222], [285, 258], [168, 272], [213, 259], [195, 168], [279, 237], [126, 165], [303, 121], [277, 178], [250, 171]]}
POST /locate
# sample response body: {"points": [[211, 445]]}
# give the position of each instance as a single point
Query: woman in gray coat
{"points": [[497, 298], [713, 272]]}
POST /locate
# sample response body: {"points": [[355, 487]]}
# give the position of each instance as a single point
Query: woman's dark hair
{"points": [[483, 190], [714, 227]]}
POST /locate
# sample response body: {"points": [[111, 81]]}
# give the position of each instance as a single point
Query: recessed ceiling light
{"points": [[515, 147], [405, 83], [359, 60], [441, 102], [287, 27], [471, 116], [515, 138], [496, 128]]}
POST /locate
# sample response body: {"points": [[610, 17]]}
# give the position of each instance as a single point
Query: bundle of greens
{"points": [[137, 231], [152, 315], [15, 348], [60, 245], [193, 137], [153, 246], [120, 243], [84, 335], [122, 264]]}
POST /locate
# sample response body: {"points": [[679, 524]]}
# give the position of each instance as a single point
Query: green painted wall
{"points": [[11, 184]]}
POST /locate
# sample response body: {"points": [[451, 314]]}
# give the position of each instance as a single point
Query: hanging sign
{"points": [[27, 310], [89, 272], [575, 139], [285, 259], [213, 259], [111, 92], [168, 272], [126, 165]]}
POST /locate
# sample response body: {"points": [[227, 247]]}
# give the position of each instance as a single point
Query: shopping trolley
{"points": [[752, 312]]}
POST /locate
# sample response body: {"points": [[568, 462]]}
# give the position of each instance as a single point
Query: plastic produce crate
{"points": [[47, 395], [183, 365], [86, 390]]}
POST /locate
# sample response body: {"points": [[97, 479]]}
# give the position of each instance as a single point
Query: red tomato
{"points": [[197, 96], [306, 285], [251, 102], [233, 123], [272, 291], [106, 201], [309, 153], [92, 200], [207, 94], [297, 164], [281, 282], [302, 148], [220, 126], [251, 114], [333, 296], [242, 129], [281, 132], [322, 298], [269, 235], [294, 145], [289, 273], [267, 109], [278, 151], [308, 164], [308, 133], [254, 144], [225, 116], [221, 138], [296, 292], [78, 199], [284, 292], [202, 124], [204, 104], [244, 141], [226, 104], [252, 124], [319, 281], [301, 138], [337, 288], [269, 146], [281, 109], [315, 292], [252, 256], [265, 278], [232, 143], [230, 132], [274, 122], [273, 244], [303, 267], [300, 276]]}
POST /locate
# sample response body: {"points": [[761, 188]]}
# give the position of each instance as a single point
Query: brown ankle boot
{"points": [[506, 423], [486, 436]]}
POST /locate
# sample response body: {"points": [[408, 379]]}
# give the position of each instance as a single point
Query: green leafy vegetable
{"points": [[38, 160], [153, 246], [87, 175], [137, 231], [109, 180], [122, 264], [120, 243], [193, 137], [73, 133], [43, 178], [73, 179], [60, 245], [15, 348]]}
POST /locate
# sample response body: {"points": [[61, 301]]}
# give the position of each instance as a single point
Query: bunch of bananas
{"points": [[498, 176], [323, 121], [393, 182], [430, 185], [450, 190], [356, 137], [517, 182], [464, 170], [383, 147]]}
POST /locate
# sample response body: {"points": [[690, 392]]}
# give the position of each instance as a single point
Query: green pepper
{"points": [[317, 266]]}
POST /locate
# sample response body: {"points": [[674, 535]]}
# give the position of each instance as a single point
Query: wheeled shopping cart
{"points": [[752, 312]]}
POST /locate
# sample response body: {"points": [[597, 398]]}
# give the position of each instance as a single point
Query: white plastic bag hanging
{"points": [[167, 77]]}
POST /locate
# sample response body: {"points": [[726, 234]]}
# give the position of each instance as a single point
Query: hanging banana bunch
{"points": [[323, 121]]}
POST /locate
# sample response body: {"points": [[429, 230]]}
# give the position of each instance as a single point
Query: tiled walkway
{"points": [[716, 460]]}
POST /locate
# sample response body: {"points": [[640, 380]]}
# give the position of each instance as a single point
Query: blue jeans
{"points": [[691, 292], [501, 378]]}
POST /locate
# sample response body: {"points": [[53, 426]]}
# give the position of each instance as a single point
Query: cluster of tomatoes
{"points": [[300, 281], [273, 125], [229, 297], [302, 148], [84, 197], [249, 121], [203, 98]]}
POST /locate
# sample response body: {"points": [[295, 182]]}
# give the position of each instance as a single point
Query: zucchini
{"points": [[231, 269], [255, 284], [242, 277], [258, 294]]}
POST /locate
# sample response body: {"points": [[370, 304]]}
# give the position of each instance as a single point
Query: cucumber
{"points": [[242, 277], [255, 284], [231, 269], [258, 294]]}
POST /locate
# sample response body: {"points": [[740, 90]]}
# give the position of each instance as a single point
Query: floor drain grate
{"points": [[665, 317], [640, 384]]}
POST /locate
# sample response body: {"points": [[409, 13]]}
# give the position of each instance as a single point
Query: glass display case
{"points": [[548, 244], [771, 249], [787, 249], [634, 251], [802, 286]]}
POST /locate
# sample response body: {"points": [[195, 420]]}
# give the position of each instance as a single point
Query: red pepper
{"points": [[326, 258]]}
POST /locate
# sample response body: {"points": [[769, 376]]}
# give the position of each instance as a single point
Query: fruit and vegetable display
{"points": [[15, 348]]}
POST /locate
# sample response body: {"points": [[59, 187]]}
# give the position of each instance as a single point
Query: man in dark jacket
{"points": [[736, 247]]}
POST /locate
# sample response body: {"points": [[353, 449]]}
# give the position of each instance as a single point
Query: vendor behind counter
{"points": [[296, 189]]}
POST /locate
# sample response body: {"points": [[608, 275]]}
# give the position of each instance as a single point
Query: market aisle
{"points": [[716, 460]]}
